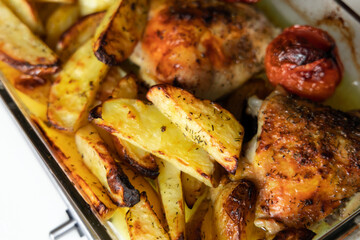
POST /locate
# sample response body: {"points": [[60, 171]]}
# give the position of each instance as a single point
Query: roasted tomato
{"points": [[305, 61]]}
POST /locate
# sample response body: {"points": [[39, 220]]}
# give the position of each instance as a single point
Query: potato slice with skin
{"points": [[28, 53], [142, 222], [93, 6], [193, 226], [27, 13], [64, 148], [144, 126], [234, 205], [205, 123], [99, 160], [56, 1], [110, 82], [126, 88], [78, 34], [170, 188], [140, 160], [118, 33], [192, 189], [59, 21], [74, 89], [207, 226]]}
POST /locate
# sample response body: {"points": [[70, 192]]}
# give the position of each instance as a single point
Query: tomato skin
{"points": [[305, 61]]}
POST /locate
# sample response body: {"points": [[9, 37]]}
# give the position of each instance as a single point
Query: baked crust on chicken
{"points": [[207, 47], [307, 161]]}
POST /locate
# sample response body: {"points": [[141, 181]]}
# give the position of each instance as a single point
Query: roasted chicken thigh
{"points": [[307, 160], [207, 47]]}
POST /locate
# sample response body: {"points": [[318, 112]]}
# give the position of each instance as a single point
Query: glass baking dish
{"points": [[333, 16]]}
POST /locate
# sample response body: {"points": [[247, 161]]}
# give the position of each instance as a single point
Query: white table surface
{"points": [[30, 206]]}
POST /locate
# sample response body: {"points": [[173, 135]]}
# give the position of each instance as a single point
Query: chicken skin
{"points": [[207, 47], [307, 161]]}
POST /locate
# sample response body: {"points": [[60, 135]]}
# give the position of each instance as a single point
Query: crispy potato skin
{"points": [[118, 33], [234, 205], [305, 61], [78, 34], [100, 161], [207, 48], [144, 164], [307, 160]]}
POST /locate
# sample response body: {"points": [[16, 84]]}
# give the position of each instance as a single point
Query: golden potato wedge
{"points": [[78, 34], [142, 222], [92, 6], [59, 21], [74, 89], [98, 159], [144, 126], [207, 226], [27, 13], [120, 30], [126, 88], [193, 226], [28, 53], [110, 82], [205, 123], [118, 222], [192, 189], [169, 182], [234, 215], [56, 1], [140, 160], [64, 148]]}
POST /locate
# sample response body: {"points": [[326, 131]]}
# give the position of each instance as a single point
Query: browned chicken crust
{"points": [[307, 160], [206, 47]]}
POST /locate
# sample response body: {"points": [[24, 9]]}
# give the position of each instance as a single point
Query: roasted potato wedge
{"points": [[56, 1], [144, 126], [28, 53], [192, 189], [234, 205], [140, 160], [193, 226], [126, 88], [99, 160], [207, 226], [65, 149], [92, 6], [59, 21], [110, 82], [234, 209], [205, 123], [120, 30], [78, 34], [27, 13], [169, 183], [142, 222], [74, 89]]}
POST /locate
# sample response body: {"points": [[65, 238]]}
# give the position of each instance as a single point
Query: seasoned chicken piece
{"points": [[206, 47], [307, 161]]}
